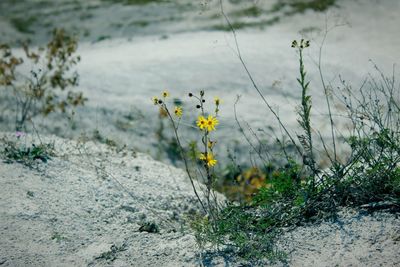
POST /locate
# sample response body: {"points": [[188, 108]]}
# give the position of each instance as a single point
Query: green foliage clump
{"points": [[375, 173], [27, 154], [283, 185]]}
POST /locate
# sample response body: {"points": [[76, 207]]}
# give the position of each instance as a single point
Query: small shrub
{"points": [[44, 91]]}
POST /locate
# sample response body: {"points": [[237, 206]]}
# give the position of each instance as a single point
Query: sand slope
{"points": [[72, 211]]}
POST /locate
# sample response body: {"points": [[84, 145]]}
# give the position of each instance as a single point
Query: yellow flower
{"points": [[211, 123], [217, 101], [155, 100], [202, 122], [178, 112], [165, 94], [208, 158]]}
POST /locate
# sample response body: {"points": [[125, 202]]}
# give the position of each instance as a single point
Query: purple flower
{"points": [[19, 134]]}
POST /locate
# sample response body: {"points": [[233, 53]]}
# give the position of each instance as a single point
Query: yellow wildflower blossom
{"points": [[202, 122], [155, 100], [211, 123], [208, 158], [178, 112], [165, 94]]}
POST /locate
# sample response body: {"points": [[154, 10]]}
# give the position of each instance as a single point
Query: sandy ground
{"points": [[354, 239], [72, 210], [85, 207]]}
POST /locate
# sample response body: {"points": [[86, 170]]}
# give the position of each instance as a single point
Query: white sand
{"points": [[75, 210], [71, 211]]}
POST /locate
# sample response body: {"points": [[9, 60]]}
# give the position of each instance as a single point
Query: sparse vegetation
{"points": [[18, 150], [301, 191], [23, 24], [48, 87], [111, 254], [135, 2], [253, 11], [241, 25], [271, 16]]}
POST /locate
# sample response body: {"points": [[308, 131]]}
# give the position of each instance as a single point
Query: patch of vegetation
{"points": [[242, 25], [111, 143], [103, 37], [111, 255], [136, 2], [57, 237], [48, 88], [300, 6], [273, 198], [253, 11], [19, 151], [140, 23], [289, 7], [24, 24]]}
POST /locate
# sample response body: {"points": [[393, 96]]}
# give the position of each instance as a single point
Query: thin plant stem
{"points": [[250, 76], [185, 160]]}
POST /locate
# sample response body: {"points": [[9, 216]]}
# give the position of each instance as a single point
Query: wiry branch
{"points": [[239, 55]]}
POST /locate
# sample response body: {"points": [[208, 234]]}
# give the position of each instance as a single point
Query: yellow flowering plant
{"points": [[206, 124]]}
